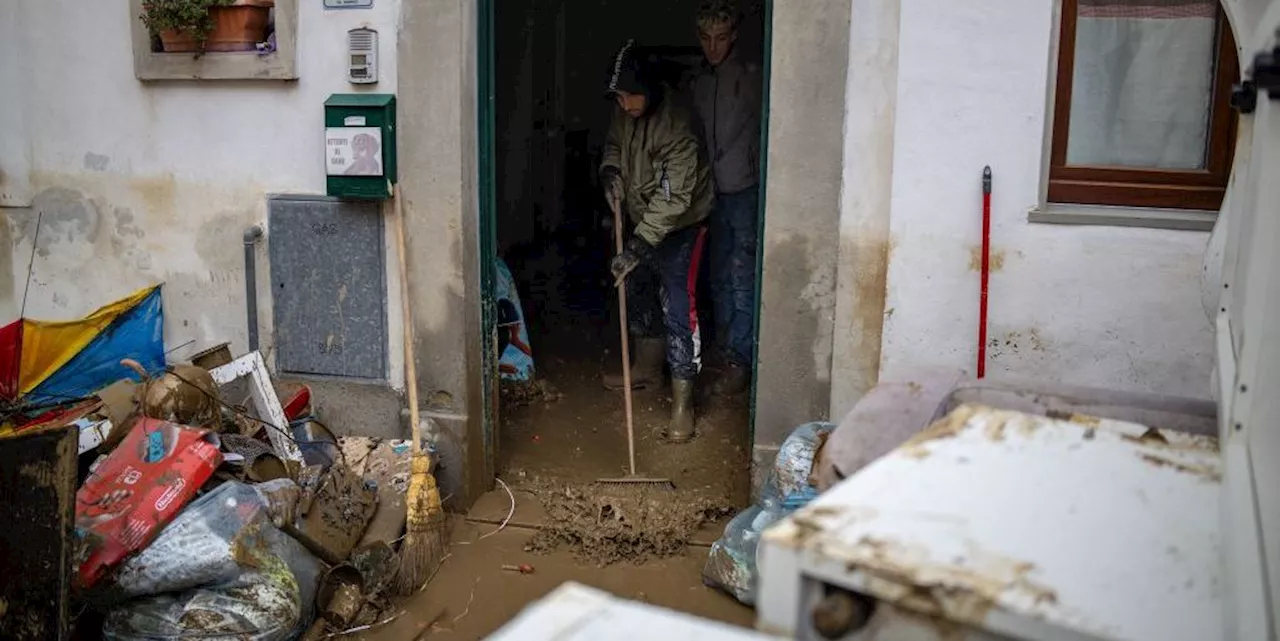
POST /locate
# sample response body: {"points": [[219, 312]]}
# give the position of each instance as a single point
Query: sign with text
{"points": [[348, 4], [353, 151]]}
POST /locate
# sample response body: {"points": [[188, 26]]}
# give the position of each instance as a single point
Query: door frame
{"points": [[488, 232], [766, 71], [488, 208]]}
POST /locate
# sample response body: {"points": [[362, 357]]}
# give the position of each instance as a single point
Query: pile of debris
{"points": [[626, 523], [213, 509], [203, 506]]}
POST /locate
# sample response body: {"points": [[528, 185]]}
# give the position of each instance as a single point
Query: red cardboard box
{"points": [[137, 490]]}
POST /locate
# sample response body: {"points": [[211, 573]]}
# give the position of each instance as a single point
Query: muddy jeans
{"points": [[662, 298], [733, 271]]}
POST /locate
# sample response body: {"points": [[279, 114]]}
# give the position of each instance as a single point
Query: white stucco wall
{"points": [[865, 195], [1102, 306], [15, 141], [147, 182]]}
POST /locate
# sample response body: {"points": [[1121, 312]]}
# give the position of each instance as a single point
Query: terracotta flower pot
{"points": [[237, 27]]}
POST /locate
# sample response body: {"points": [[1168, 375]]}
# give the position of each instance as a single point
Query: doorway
{"points": [[544, 221]]}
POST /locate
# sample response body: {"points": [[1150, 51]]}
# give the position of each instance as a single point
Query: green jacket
{"points": [[667, 178]]}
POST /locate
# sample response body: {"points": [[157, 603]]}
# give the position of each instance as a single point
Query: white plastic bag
{"points": [[732, 564], [220, 570]]}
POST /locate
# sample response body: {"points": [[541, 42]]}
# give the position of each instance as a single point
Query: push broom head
{"points": [[632, 481]]}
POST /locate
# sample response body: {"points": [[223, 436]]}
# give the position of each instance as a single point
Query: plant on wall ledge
{"points": [[208, 25]]}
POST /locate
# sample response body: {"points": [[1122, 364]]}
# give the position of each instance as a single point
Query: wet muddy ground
{"points": [[622, 523], [555, 440], [580, 435], [574, 432], [644, 543], [472, 596]]}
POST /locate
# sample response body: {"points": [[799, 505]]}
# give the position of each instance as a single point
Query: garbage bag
{"points": [[515, 357], [794, 463], [221, 569], [732, 563]]}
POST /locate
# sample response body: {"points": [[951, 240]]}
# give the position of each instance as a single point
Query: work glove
{"points": [[636, 252], [611, 180]]}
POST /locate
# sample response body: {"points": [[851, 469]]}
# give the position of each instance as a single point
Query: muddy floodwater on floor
{"points": [[557, 437], [571, 431], [631, 523], [472, 595]]}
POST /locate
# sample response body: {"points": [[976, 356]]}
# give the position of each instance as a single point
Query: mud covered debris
{"points": [[611, 524], [343, 507], [523, 393]]}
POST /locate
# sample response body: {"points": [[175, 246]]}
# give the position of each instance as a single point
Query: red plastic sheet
{"points": [[10, 359]]}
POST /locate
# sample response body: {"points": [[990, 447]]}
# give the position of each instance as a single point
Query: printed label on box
{"points": [[353, 151]]}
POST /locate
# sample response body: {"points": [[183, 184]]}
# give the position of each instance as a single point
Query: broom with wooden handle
{"points": [[426, 538], [632, 478]]}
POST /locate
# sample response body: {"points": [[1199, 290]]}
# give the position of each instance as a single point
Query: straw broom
{"points": [[427, 538]]}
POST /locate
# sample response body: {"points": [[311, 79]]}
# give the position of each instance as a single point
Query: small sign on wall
{"points": [[353, 151], [348, 4], [360, 145]]}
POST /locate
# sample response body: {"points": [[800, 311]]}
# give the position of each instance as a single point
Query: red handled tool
{"points": [[986, 270]]}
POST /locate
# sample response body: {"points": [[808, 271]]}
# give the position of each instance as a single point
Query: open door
{"points": [[546, 233]]}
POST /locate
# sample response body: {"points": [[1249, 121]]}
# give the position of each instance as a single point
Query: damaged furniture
{"points": [[37, 497]]}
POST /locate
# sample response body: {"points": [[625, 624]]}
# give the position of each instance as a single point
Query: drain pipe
{"points": [[251, 237]]}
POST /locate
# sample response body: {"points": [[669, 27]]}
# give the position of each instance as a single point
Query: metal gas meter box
{"points": [[360, 145]]}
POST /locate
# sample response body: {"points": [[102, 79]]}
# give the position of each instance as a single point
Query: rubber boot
{"points": [[733, 381], [646, 369], [682, 419]]}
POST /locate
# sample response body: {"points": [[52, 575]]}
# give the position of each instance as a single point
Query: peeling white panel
{"points": [[1024, 526]]}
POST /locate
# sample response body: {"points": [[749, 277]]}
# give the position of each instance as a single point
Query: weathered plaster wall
{"points": [[802, 216], [15, 139], [440, 166], [867, 187], [1101, 306], [145, 182]]}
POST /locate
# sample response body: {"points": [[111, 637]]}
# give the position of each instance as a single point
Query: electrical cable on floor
{"points": [[510, 513], [362, 628], [435, 572], [469, 600]]}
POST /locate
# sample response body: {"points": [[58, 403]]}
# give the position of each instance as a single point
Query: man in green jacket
{"points": [[655, 166]]}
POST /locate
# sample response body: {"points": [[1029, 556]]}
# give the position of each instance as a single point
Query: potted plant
{"points": [[208, 25]]}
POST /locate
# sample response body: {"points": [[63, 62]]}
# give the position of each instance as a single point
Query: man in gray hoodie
{"points": [[727, 95]]}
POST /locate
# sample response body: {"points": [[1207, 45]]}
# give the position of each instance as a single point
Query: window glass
{"points": [[1143, 83]]}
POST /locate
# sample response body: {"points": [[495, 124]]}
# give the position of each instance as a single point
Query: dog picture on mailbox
{"points": [[353, 151]]}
